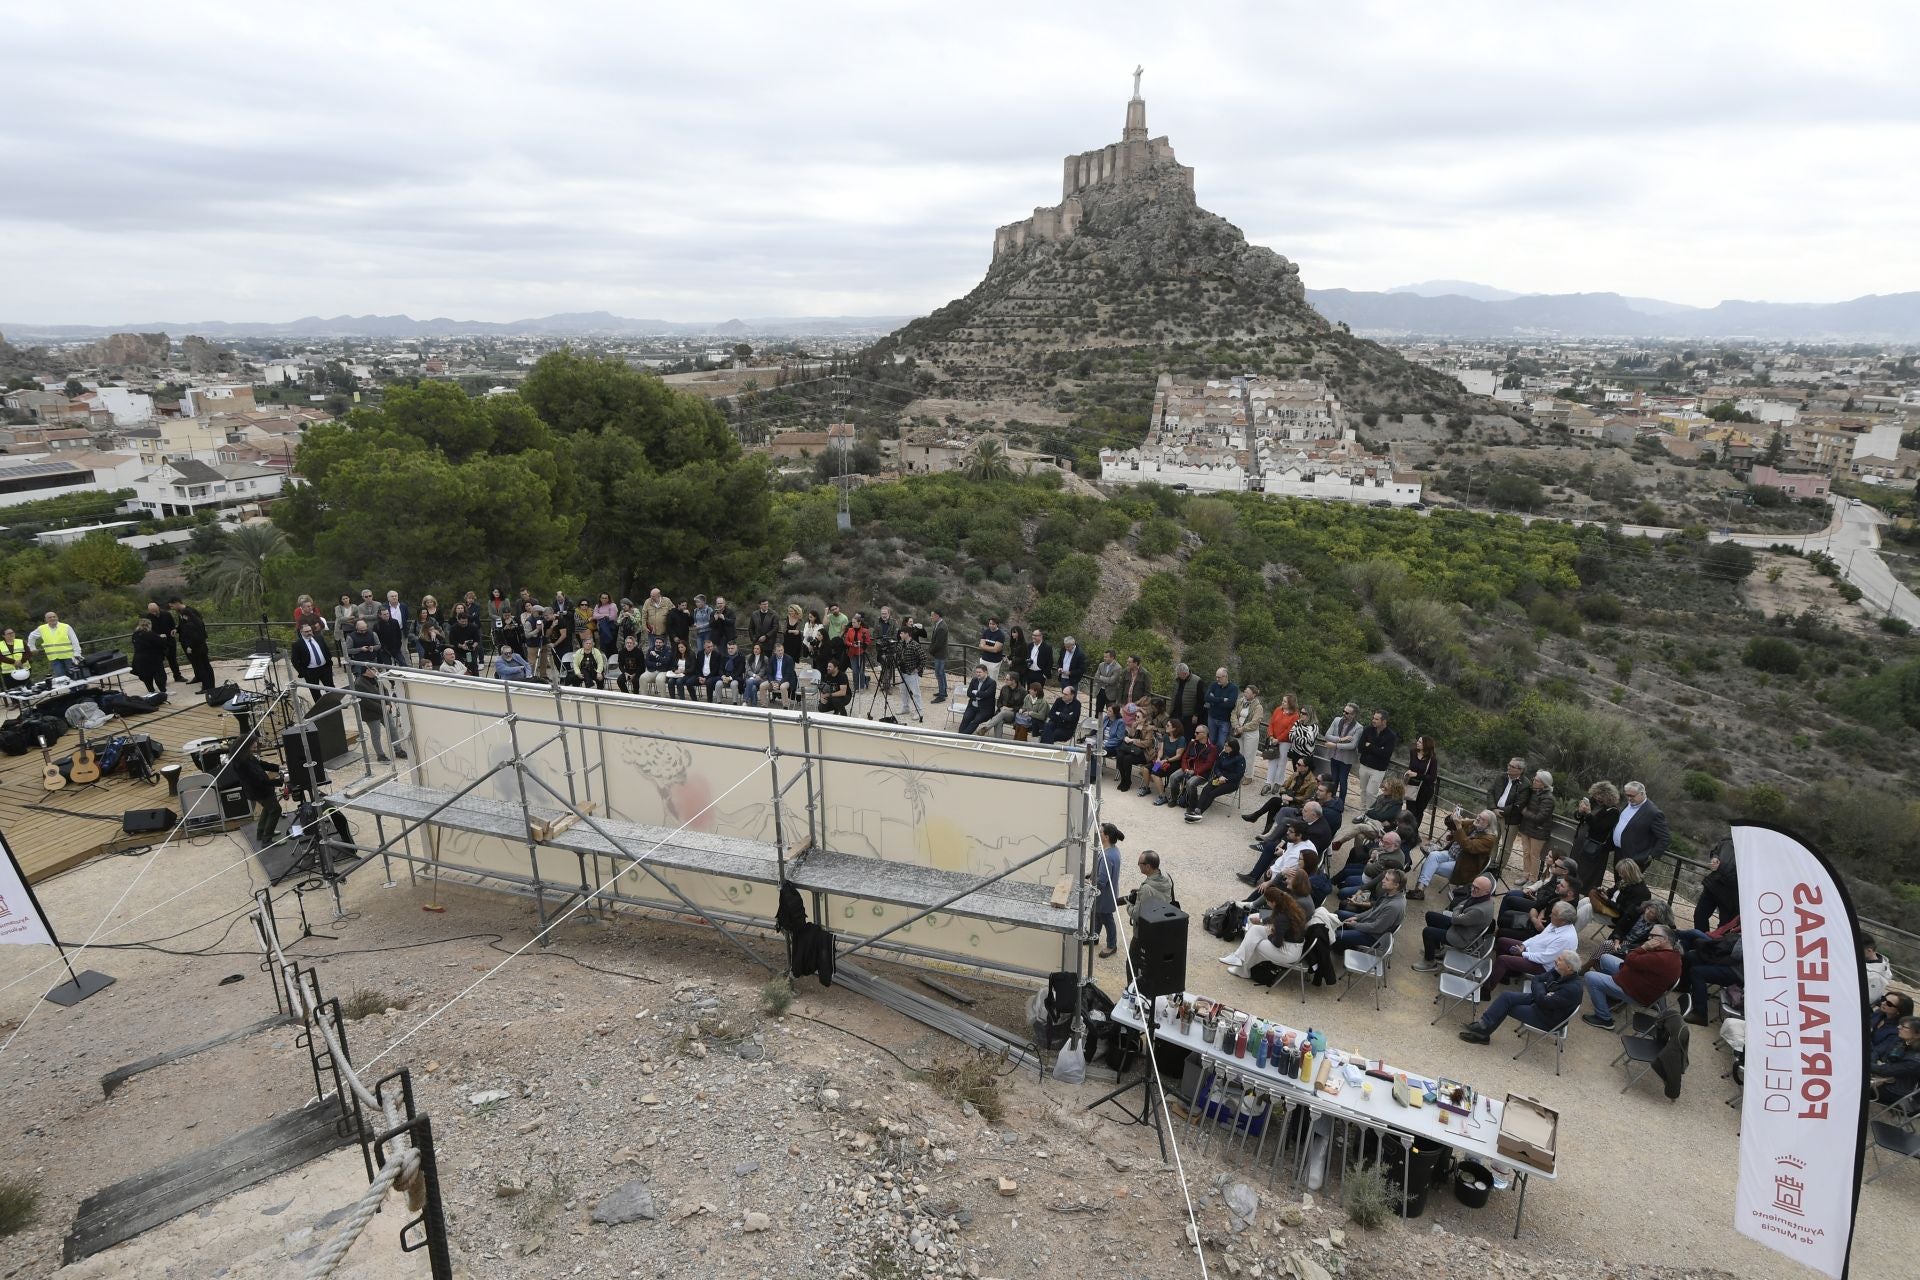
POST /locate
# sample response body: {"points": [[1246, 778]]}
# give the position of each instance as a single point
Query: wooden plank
{"points": [[120, 1075], [545, 829], [122, 1211]]}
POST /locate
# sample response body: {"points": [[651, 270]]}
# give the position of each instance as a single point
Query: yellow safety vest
{"points": [[13, 654], [55, 642]]}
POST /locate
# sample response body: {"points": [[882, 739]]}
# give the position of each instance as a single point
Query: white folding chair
{"points": [[1369, 962], [1531, 1035], [1461, 985]]}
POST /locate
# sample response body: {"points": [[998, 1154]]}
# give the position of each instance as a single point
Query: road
{"points": [[1852, 538]]}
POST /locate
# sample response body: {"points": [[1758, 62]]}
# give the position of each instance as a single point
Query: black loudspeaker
{"points": [[306, 767], [1159, 951], [141, 821], [330, 710]]}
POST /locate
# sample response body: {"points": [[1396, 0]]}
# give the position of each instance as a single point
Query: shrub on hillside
{"points": [[1554, 614], [1604, 607], [1703, 787], [1158, 537], [1773, 655], [1763, 803], [1077, 577], [1581, 747], [918, 590]]}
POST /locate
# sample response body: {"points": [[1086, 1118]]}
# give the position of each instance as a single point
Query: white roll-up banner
{"points": [[21, 923], [1804, 1115]]}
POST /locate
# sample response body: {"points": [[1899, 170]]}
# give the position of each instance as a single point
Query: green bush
{"points": [[1601, 608], [1056, 615], [1158, 537], [1077, 577], [1703, 787], [1763, 803], [1554, 614], [19, 1202], [1773, 655], [1898, 626], [917, 590]]}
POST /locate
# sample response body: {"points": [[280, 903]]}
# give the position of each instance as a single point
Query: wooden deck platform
{"points": [[54, 831]]}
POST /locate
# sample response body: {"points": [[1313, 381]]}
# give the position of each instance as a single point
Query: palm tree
{"points": [[988, 461], [237, 573]]}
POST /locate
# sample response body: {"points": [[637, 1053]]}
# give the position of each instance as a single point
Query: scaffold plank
{"points": [[904, 884]]}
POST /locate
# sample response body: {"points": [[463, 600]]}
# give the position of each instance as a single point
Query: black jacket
{"points": [[1073, 665], [1185, 698], [149, 654], [193, 628], [1376, 747], [762, 625], [303, 664], [1554, 997], [1041, 670]]}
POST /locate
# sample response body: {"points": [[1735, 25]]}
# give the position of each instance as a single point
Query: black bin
{"points": [[1472, 1183], [1411, 1174]]}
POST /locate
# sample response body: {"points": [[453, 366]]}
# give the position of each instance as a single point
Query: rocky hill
{"points": [[1127, 277]]}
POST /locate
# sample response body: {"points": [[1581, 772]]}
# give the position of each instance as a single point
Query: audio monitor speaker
{"points": [[1159, 950]]}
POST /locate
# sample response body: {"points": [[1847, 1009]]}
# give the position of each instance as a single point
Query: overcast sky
{"points": [[691, 162]]}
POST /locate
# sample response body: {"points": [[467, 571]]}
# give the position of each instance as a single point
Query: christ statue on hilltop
{"points": [[1136, 79]]}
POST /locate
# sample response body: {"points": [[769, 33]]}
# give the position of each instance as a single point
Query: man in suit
{"points": [[980, 700], [761, 624], [312, 660], [193, 641], [1037, 661], [937, 653], [733, 673], [1641, 831], [780, 677], [1073, 662], [1507, 796], [163, 626]]}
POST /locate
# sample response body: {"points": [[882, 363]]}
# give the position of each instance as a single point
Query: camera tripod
{"points": [[886, 678]]}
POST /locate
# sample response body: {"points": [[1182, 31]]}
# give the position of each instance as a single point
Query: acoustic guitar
{"points": [[84, 768], [50, 777]]}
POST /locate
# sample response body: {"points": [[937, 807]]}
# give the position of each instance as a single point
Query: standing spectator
{"points": [[1719, 890], [1072, 662], [1107, 678], [465, 639], [654, 611], [1640, 832], [1507, 796], [498, 609], [426, 621], [680, 625], [362, 647], [721, 625], [1423, 777], [149, 658], [1187, 700], [193, 640], [1039, 658], [14, 660], [606, 622], [1879, 969], [1280, 733], [1536, 822], [763, 625], [1106, 883], [163, 624], [793, 633], [368, 608], [813, 634], [1249, 722], [1599, 810], [858, 641], [387, 629], [312, 660], [1375, 750], [304, 610], [1135, 688], [993, 647], [837, 623], [937, 653], [345, 614], [1221, 696], [59, 643], [1342, 744]]}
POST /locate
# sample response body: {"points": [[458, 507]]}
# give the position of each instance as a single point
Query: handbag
{"points": [[1270, 748]]}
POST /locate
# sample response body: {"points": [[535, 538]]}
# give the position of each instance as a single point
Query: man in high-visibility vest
{"points": [[13, 659], [57, 640]]}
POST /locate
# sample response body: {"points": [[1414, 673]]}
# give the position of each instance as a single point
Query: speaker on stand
{"points": [[301, 751], [1159, 951]]}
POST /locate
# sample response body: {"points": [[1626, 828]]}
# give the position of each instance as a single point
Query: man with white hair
{"points": [[1536, 953], [1186, 699], [1536, 823], [1072, 663], [1505, 797], [1640, 832], [1550, 1000]]}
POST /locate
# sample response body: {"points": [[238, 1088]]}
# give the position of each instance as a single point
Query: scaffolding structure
{"points": [[931, 859]]}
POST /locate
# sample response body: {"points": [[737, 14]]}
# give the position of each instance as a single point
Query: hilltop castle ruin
{"points": [[1133, 155]]}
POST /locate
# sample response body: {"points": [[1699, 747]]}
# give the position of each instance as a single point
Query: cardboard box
{"points": [[1529, 1132]]}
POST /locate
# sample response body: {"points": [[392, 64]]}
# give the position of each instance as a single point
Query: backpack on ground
{"points": [[1227, 922]]}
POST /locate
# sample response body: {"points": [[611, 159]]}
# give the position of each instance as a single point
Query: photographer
{"points": [[909, 654]]}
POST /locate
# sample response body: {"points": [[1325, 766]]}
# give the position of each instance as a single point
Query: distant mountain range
{"points": [[571, 324], [1461, 309]]}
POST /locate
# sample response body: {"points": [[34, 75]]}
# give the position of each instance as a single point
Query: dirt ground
{"points": [[634, 1056]]}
